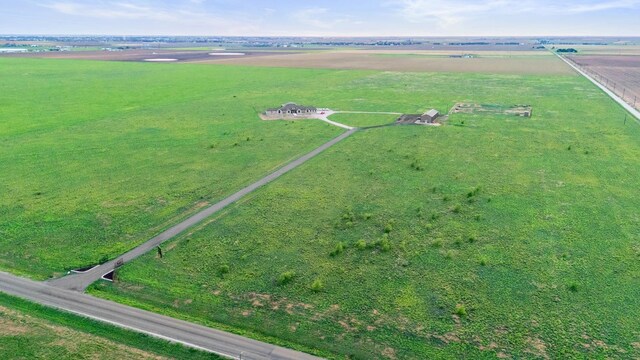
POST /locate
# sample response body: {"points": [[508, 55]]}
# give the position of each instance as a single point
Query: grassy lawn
{"points": [[489, 236], [31, 331], [99, 156], [363, 120]]}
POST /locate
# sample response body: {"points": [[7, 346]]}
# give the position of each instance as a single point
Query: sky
{"points": [[404, 18]]}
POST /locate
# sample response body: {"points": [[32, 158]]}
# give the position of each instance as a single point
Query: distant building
{"points": [[291, 109], [12, 50], [429, 117]]}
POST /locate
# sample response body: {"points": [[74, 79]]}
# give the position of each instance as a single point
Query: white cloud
{"points": [[451, 12], [182, 18]]}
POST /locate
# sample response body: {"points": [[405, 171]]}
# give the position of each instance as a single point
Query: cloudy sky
{"points": [[322, 18]]}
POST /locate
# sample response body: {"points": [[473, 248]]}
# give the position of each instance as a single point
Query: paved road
{"points": [[192, 335], [615, 97], [79, 282]]}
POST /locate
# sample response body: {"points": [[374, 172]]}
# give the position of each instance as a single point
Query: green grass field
{"points": [[489, 236], [99, 156], [364, 120], [30, 331]]}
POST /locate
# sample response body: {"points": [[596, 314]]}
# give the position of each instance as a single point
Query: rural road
{"points": [[79, 282], [611, 94], [164, 327]]}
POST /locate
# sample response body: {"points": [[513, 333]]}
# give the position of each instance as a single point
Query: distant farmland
{"points": [[619, 73], [494, 62]]}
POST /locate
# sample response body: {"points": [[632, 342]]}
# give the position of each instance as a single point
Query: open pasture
{"points": [[98, 157], [491, 236]]}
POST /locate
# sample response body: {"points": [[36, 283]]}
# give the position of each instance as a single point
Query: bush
{"points": [[361, 244], [385, 244], [460, 310], [224, 269], [317, 285], [286, 277], [338, 250]]}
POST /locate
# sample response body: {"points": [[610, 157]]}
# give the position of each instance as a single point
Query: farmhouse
{"points": [[429, 117], [291, 109]]}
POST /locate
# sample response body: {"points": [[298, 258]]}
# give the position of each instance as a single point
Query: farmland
{"points": [[100, 156], [539, 63], [619, 73], [31, 331], [490, 236]]}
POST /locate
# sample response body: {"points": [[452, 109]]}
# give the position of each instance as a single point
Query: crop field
{"points": [[98, 157], [491, 236], [30, 331], [621, 74], [608, 49], [540, 63]]}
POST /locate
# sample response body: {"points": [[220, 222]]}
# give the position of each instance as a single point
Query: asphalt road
{"points": [[611, 94], [192, 335], [79, 282]]}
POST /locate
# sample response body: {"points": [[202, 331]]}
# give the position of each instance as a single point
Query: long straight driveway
{"points": [[79, 282]]}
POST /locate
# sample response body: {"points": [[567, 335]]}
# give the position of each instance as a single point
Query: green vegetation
{"points": [[364, 120], [100, 156], [534, 253], [30, 331]]}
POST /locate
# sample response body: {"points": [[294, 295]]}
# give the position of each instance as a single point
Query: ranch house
{"points": [[291, 109]]}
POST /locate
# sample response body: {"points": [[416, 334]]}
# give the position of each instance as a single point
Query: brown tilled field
{"points": [[402, 61], [620, 73], [147, 55]]}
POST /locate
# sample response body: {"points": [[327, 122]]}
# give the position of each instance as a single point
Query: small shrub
{"points": [[223, 269], [248, 138], [477, 217], [460, 310], [385, 244], [361, 244], [573, 287], [436, 243], [434, 216], [445, 198], [456, 209], [428, 227], [471, 239], [449, 255], [286, 277], [212, 146], [317, 285], [367, 216], [338, 250], [388, 228], [434, 189], [569, 148]]}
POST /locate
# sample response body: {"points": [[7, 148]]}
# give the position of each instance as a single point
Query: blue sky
{"points": [[323, 18]]}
